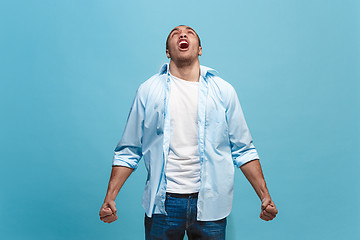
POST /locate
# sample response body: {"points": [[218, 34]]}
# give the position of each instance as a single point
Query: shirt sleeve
{"points": [[128, 151], [241, 143]]}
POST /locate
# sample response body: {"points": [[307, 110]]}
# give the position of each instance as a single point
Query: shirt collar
{"points": [[203, 70]]}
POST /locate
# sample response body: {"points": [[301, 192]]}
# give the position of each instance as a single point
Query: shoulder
{"points": [[222, 87], [215, 80], [150, 89], [154, 82], [220, 82]]}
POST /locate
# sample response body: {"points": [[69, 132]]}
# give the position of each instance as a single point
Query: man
{"points": [[187, 124]]}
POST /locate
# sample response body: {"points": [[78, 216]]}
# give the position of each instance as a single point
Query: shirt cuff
{"points": [[119, 162], [247, 157]]}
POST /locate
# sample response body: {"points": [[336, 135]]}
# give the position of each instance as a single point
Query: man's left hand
{"points": [[268, 209]]}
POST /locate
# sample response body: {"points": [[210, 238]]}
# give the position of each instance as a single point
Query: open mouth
{"points": [[183, 44]]}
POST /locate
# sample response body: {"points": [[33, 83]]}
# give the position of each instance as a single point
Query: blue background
{"points": [[69, 71]]}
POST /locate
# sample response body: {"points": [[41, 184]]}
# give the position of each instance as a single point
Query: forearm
{"points": [[253, 173], [118, 177]]}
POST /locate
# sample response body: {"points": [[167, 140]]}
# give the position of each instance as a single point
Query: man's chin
{"points": [[184, 59]]}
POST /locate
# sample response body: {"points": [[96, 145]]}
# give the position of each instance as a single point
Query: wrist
{"points": [[109, 199], [265, 196], [111, 194]]}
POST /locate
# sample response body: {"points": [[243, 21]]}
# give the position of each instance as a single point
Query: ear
{"points": [[168, 53], [200, 50]]}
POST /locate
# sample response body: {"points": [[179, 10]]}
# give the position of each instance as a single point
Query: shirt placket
{"points": [[203, 92], [166, 143]]}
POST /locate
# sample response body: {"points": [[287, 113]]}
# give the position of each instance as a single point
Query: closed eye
{"points": [[174, 33]]}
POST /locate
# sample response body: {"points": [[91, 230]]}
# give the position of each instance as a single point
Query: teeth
{"points": [[182, 41]]}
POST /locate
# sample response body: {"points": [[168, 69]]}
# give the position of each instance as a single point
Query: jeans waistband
{"points": [[182, 195]]}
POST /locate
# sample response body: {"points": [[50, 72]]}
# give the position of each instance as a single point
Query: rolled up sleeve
{"points": [[128, 151], [242, 147]]}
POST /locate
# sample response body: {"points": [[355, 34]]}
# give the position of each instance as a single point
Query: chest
{"points": [[204, 98]]}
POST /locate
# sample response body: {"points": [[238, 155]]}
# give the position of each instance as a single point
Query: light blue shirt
{"points": [[224, 140]]}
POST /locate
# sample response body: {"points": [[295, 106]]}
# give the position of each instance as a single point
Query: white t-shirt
{"points": [[183, 163]]}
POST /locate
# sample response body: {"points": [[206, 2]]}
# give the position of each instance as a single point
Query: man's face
{"points": [[183, 44]]}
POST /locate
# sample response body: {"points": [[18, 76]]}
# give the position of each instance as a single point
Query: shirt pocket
{"points": [[154, 119], [160, 121], [214, 117], [215, 125]]}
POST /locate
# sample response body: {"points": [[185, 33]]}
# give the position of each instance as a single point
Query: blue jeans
{"points": [[182, 217]]}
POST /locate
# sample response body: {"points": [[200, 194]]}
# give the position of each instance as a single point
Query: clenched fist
{"points": [[108, 212], [268, 209]]}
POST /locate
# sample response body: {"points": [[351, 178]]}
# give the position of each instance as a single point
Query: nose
{"points": [[183, 35]]}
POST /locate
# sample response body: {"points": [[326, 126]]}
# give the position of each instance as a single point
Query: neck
{"points": [[189, 72]]}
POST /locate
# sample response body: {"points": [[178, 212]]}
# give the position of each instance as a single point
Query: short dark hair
{"points": [[167, 39]]}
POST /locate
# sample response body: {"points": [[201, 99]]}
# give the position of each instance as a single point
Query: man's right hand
{"points": [[108, 212]]}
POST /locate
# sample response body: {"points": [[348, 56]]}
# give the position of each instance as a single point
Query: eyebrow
{"points": [[190, 29]]}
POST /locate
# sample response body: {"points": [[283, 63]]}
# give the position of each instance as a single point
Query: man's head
{"points": [[183, 44]]}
